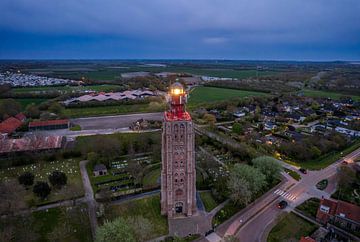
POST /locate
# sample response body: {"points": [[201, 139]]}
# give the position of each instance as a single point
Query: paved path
{"points": [[89, 197]]}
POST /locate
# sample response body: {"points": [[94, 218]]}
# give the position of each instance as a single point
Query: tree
{"points": [[142, 227], [42, 189], [255, 179], [237, 128], [58, 179], [210, 119], [8, 108], [135, 170], [269, 167], [26, 179], [240, 191], [55, 107], [32, 111], [115, 231]]}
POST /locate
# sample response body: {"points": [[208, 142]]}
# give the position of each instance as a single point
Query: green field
{"points": [[54, 224], [104, 73], [107, 110], [97, 88], [325, 94], [290, 229], [148, 208], [26, 101], [208, 200], [213, 94], [41, 172]]}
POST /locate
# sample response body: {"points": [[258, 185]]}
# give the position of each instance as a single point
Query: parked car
{"points": [[283, 204], [303, 170]]}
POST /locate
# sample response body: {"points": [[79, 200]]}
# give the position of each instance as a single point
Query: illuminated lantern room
{"points": [[178, 99]]}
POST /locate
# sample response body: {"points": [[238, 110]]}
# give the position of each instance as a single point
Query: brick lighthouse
{"points": [[178, 158]]}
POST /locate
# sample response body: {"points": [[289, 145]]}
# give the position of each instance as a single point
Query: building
{"points": [[49, 125], [30, 144], [178, 189], [9, 125], [340, 213], [306, 239], [100, 170]]}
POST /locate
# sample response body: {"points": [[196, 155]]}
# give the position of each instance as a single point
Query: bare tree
{"points": [[12, 197]]}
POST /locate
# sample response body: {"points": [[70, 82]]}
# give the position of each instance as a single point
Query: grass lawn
{"points": [[148, 208], [151, 179], [290, 229], [293, 174], [75, 128], [41, 171], [55, 224], [107, 110], [213, 94], [208, 200], [310, 207], [327, 159], [332, 95]]}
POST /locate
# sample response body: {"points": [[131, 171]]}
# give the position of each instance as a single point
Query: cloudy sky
{"points": [[207, 29]]}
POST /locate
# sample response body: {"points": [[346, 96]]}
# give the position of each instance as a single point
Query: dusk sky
{"points": [[180, 29]]}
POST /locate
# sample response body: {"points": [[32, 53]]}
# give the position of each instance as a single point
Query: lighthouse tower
{"points": [[178, 158]]}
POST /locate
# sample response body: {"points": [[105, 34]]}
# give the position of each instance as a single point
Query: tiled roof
{"points": [[349, 210], [20, 116], [48, 123], [31, 143], [9, 125]]}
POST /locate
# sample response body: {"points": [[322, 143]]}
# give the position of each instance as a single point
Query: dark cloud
{"points": [[206, 27]]}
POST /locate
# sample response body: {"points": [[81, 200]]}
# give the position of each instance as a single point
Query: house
{"points": [[9, 125], [239, 114], [340, 213], [49, 125], [100, 170], [270, 126]]}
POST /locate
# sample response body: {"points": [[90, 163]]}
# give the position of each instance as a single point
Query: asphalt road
{"points": [[257, 228], [114, 122]]}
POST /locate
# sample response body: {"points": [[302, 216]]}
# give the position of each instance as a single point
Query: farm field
{"points": [[112, 73], [107, 110], [41, 171], [26, 101], [213, 94], [54, 224], [97, 88], [148, 208], [290, 228], [332, 95]]}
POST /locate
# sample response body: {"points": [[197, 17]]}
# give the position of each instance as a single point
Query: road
{"points": [[89, 197], [255, 222], [257, 228], [114, 122]]}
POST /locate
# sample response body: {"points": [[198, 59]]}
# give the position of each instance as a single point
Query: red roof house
{"points": [[343, 214], [306, 239], [21, 117], [9, 125]]}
